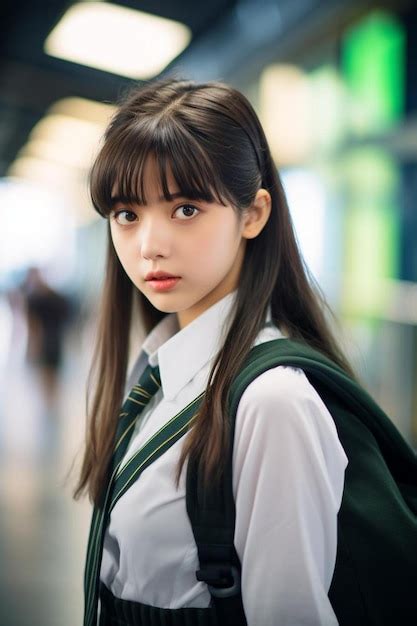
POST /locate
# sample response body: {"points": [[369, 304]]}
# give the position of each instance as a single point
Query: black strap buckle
{"points": [[223, 581]]}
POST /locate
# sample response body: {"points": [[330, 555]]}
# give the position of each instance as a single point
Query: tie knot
{"points": [[150, 380], [155, 376], [140, 395]]}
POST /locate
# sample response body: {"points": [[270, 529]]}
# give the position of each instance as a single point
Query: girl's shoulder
{"points": [[281, 416], [282, 401], [282, 388]]}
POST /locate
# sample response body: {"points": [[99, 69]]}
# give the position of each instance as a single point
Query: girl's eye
{"points": [[187, 211], [117, 215]]}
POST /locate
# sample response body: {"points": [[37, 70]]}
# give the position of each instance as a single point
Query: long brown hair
{"points": [[210, 138]]}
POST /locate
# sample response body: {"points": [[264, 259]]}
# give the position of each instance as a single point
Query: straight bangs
{"points": [[118, 170]]}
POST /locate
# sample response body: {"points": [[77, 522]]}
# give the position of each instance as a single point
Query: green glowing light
{"points": [[373, 65]]}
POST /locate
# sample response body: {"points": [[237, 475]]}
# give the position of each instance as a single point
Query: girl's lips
{"points": [[163, 284]]}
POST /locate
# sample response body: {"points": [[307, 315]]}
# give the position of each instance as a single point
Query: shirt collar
{"points": [[181, 353]]}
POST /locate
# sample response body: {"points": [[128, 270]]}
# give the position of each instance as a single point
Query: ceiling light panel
{"points": [[117, 39]]}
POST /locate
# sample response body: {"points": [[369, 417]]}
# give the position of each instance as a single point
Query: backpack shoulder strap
{"points": [[212, 514], [333, 382]]}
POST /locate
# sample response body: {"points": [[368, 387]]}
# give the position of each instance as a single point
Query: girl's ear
{"points": [[256, 216]]}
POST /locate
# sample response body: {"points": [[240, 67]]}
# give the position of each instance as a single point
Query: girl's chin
{"points": [[163, 303]]}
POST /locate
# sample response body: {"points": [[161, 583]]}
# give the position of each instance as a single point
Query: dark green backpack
{"points": [[375, 576]]}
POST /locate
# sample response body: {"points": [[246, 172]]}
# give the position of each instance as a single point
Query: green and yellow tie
{"points": [[138, 398]]}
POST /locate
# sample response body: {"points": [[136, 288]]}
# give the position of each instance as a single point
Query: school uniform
{"points": [[288, 479]]}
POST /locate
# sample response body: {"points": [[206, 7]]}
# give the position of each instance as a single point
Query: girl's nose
{"points": [[154, 239]]}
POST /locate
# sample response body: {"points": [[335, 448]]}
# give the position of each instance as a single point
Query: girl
{"points": [[200, 238]]}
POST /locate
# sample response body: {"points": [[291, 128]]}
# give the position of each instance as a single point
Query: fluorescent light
{"points": [[42, 171], [70, 155], [65, 128], [90, 110], [65, 139], [329, 108], [70, 133], [116, 39], [285, 111], [304, 188], [39, 226], [70, 184], [61, 149]]}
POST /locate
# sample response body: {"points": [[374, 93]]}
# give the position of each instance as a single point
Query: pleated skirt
{"points": [[118, 612]]}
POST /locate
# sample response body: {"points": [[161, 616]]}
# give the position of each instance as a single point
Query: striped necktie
{"points": [[139, 396]]}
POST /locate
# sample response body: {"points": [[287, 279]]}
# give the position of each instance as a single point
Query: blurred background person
{"points": [[48, 314]]}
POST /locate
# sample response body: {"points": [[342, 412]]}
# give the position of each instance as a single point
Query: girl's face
{"points": [[199, 242]]}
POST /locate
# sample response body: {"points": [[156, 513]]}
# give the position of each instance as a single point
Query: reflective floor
{"points": [[43, 531]]}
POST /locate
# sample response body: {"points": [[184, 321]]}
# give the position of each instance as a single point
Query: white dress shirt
{"points": [[288, 478]]}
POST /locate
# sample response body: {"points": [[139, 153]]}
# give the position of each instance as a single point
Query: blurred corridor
{"points": [[42, 531]]}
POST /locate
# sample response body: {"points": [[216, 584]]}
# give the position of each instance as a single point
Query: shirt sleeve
{"points": [[288, 478]]}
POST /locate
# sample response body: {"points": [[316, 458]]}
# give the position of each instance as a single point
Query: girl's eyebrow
{"points": [[126, 200]]}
